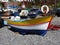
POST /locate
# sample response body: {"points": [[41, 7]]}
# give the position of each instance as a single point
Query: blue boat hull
{"points": [[25, 31]]}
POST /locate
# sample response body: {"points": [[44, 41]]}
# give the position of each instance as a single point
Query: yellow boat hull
{"points": [[31, 22]]}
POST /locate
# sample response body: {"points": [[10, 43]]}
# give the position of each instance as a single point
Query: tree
{"points": [[37, 2]]}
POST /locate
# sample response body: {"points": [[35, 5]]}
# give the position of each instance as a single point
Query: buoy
{"points": [[46, 8]]}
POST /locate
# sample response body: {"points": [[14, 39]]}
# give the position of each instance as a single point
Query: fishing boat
{"points": [[41, 24]]}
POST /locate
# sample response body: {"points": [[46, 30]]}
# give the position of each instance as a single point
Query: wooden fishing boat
{"points": [[42, 23]]}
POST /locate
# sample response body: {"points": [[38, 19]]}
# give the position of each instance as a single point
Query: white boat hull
{"points": [[43, 26]]}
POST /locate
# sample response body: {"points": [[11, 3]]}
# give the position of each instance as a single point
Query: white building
{"points": [[25, 0], [4, 0], [16, 0]]}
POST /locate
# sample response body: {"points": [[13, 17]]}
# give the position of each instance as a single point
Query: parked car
{"points": [[51, 12], [57, 12], [34, 12], [1, 12]]}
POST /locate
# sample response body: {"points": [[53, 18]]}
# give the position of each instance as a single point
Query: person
{"points": [[23, 6], [44, 9]]}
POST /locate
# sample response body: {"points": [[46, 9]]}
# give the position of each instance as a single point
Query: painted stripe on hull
{"points": [[31, 22], [27, 31], [35, 27]]}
